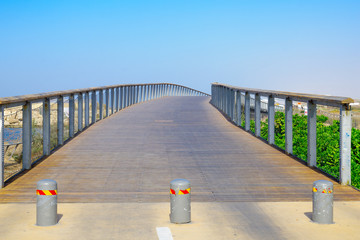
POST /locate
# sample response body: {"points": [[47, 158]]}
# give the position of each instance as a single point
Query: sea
{"points": [[12, 136]]}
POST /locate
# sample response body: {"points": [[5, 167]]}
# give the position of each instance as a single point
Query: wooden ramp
{"points": [[133, 155]]}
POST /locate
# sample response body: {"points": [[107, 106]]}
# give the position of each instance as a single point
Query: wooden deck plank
{"points": [[133, 155]]}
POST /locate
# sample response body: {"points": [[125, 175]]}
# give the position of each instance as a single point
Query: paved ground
{"points": [[210, 220], [114, 180]]}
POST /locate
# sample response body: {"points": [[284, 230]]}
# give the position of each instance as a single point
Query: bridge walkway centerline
{"points": [[133, 155]]}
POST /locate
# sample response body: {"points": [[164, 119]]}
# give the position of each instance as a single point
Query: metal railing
{"points": [[228, 100], [93, 104]]}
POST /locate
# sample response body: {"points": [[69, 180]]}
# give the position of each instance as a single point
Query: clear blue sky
{"points": [[301, 46]]}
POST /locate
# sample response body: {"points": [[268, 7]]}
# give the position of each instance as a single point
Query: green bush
{"points": [[328, 138]]}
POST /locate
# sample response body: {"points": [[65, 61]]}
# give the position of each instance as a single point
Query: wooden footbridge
{"points": [[131, 156]]}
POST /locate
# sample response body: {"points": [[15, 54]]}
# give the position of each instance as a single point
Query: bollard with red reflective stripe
{"points": [[46, 202], [180, 209], [323, 202]]}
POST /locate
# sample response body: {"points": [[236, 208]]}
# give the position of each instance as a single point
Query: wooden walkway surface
{"points": [[133, 155]]}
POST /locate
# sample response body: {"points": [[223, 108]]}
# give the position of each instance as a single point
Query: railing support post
{"points": [[93, 107], [257, 115], [247, 111], [311, 138], [117, 98], [2, 153], [112, 100], [239, 113], [60, 119], [101, 104], [127, 96], [233, 105], [71, 116], [288, 126], [271, 120], [87, 109], [27, 135], [121, 97], [80, 112], [46, 127], [107, 102], [345, 145]]}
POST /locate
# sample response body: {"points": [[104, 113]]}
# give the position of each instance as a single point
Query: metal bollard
{"points": [[180, 209], [46, 203], [323, 202]]}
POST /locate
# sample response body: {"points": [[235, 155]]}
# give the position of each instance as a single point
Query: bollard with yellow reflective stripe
{"points": [[180, 209], [46, 203], [323, 202], [46, 192]]}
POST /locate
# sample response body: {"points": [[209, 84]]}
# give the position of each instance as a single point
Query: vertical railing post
{"points": [[239, 113], [93, 107], [143, 93], [112, 100], [167, 89], [2, 150], [107, 102], [140, 90], [101, 104], [139, 93], [127, 90], [46, 127], [124, 92], [130, 95], [80, 112], [257, 115], [271, 120], [27, 135], [288, 126], [232, 102], [136, 94], [87, 110], [228, 101], [311, 138], [345, 145], [71, 116], [247, 111], [121, 99], [146, 91], [60, 120], [149, 92], [117, 105], [127, 96], [223, 106]]}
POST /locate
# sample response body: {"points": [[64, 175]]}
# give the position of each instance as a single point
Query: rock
{"points": [[13, 120]]}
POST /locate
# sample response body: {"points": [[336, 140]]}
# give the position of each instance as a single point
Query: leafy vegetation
{"points": [[328, 138]]}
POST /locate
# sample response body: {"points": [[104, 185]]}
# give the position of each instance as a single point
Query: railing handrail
{"points": [[302, 97], [93, 104], [39, 96], [228, 99]]}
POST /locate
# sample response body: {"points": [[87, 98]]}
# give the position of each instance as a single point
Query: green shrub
{"points": [[327, 143]]}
